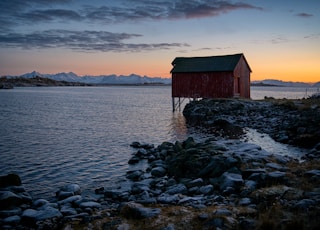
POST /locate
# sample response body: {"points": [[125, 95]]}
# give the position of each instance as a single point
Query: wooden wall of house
{"points": [[242, 70], [203, 85]]}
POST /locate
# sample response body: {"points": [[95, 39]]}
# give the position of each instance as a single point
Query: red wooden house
{"points": [[224, 76]]}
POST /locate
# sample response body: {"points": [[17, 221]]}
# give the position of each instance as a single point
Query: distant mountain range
{"points": [[137, 79], [102, 79], [271, 82]]}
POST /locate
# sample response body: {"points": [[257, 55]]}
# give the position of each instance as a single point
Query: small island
{"points": [[10, 83]]}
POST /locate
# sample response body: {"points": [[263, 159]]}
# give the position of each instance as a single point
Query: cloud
{"points": [[178, 9], [279, 39], [22, 12], [21, 16], [202, 9], [312, 36], [83, 41], [51, 15], [304, 15], [215, 48]]}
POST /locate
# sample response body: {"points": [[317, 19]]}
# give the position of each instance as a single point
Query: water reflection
{"points": [[178, 126]]}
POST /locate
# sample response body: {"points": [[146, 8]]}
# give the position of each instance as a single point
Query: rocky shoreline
{"points": [[219, 183], [294, 122]]}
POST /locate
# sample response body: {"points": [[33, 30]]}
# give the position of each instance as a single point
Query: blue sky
{"points": [[280, 39]]}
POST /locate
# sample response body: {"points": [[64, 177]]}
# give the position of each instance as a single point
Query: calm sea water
{"points": [[51, 136]]}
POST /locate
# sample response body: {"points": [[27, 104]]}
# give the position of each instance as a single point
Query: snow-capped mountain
{"points": [[102, 79], [316, 85], [137, 79]]}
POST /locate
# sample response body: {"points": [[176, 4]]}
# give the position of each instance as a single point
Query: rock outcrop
{"points": [[295, 122]]}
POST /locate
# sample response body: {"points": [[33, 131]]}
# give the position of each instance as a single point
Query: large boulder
{"points": [[10, 180], [31, 216], [9, 200], [232, 180]]}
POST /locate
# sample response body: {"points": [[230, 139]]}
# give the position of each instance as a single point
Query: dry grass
{"points": [[296, 104]]}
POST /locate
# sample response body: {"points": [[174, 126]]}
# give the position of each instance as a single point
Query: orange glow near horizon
{"points": [[267, 67]]}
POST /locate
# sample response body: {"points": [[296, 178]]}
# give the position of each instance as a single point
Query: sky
{"points": [[280, 39]]}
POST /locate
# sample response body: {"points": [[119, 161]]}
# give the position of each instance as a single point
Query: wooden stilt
{"points": [[173, 105]]}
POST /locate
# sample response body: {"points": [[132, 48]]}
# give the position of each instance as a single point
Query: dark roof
{"points": [[206, 64]]}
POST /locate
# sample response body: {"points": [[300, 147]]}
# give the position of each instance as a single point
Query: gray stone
{"points": [[176, 189], [71, 199], [10, 180], [248, 172], [169, 227], [168, 199], [195, 182], [228, 191], [135, 144], [160, 184], [73, 188], [314, 172], [142, 153], [315, 194], [249, 186], [26, 198], [12, 220], [139, 187], [137, 211], [17, 189], [158, 171], [215, 223], [113, 194], [67, 210], [9, 199], [90, 204], [248, 224], [11, 212], [206, 190], [203, 216], [244, 201], [32, 216], [135, 175], [158, 163], [144, 195], [150, 200], [134, 160], [259, 178], [275, 177], [171, 182], [276, 166], [79, 215], [193, 190], [147, 146], [231, 180], [189, 199], [40, 202], [213, 168], [64, 194], [304, 204], [222, 212]]}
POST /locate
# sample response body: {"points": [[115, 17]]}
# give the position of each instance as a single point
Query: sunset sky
{"points": [[280, 39]]}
